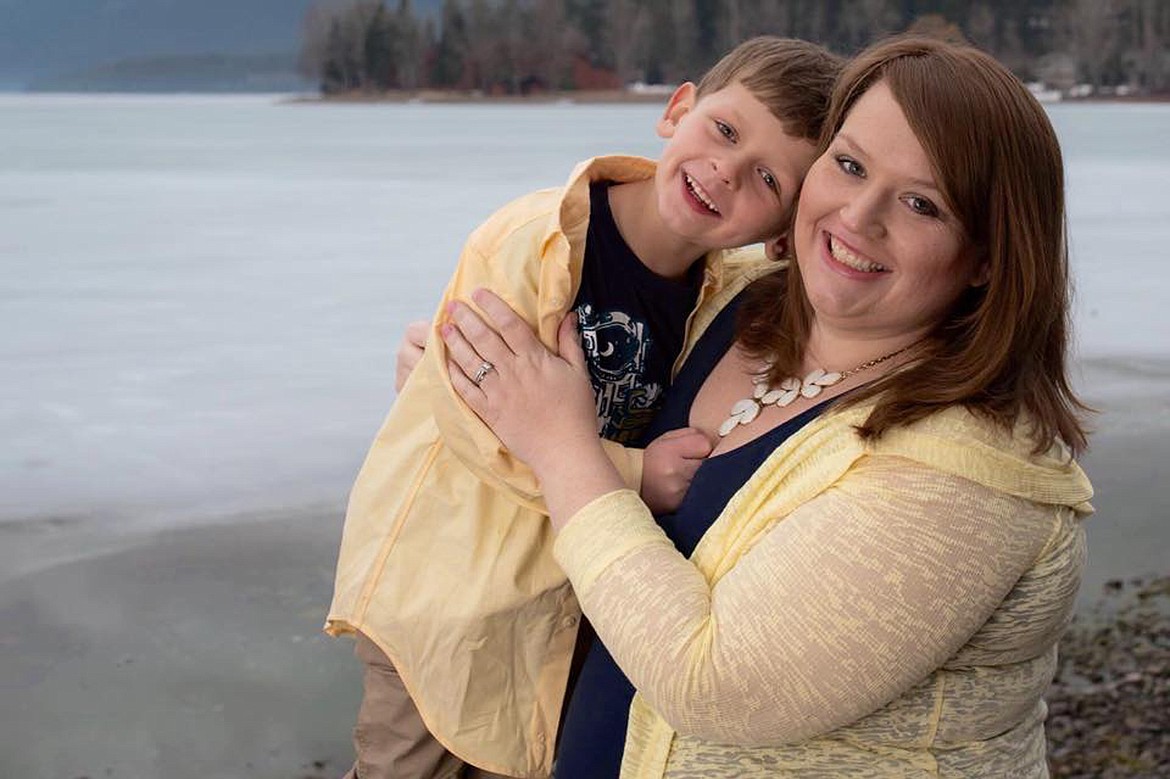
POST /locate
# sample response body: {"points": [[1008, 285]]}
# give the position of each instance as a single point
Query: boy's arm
{"points": [[410, 351], [508, 260]]}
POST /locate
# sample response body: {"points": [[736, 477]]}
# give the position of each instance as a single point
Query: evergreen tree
{"points": [[380, 40], [452, 46], [517, 45]]}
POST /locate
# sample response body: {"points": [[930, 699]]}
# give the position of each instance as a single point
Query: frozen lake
{"points": [[201, 295]]}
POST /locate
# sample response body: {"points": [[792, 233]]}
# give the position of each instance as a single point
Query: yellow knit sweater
{"points": [[862, 610]]}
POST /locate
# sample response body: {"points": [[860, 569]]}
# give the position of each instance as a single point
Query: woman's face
{"points": [[879, 251]]}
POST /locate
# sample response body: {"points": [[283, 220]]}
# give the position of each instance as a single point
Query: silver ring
{"points": [[485, 368]]}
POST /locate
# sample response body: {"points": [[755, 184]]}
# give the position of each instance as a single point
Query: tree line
{"points": [[523, 46]]}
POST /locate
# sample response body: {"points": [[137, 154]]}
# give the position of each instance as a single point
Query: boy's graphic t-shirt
{"points": [[632, 323]]}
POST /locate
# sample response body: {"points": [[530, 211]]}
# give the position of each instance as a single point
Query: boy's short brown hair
{"points": [[793, 78]]}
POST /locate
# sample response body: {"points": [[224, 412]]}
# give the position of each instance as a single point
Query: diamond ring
{"points": [[485, 368]]}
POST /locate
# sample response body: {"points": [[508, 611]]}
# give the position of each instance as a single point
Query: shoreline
{"points": [[596, 96], [198, 651], [440, 97]]}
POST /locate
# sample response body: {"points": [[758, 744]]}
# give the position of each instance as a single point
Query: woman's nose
{"points": [[863, 213]]}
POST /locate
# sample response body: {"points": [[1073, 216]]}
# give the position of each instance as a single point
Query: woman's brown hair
{"points": [[1002, 351]]}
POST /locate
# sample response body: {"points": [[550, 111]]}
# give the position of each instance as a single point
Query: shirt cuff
{"points": [[603, 531]]}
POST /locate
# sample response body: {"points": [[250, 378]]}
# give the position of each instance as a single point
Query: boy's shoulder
{"points": [[529, 213], [747, 263], [563, 209]]}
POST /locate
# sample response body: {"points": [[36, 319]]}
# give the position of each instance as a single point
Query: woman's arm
{"points": [[844, 605]]}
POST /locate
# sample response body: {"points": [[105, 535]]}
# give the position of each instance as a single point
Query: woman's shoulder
{"points": [[969, 445]]}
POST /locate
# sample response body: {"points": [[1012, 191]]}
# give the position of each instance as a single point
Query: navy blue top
{"points": [[594, 731], [632, 322]]}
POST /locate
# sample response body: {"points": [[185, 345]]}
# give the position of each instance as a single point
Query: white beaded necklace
{"points": [[745, 411]]}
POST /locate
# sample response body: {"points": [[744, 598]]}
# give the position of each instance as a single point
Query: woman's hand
{"points": [[669, 465], [410, 351], [539, 404], [533, 400]]}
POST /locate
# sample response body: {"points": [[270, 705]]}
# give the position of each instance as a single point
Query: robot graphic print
{"points": [[616, 348]]}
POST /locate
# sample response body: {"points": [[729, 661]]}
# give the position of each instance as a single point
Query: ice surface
{"points": [[201, 296]]}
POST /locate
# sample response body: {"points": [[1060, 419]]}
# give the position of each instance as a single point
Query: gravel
{"points": [[1109, 705]]}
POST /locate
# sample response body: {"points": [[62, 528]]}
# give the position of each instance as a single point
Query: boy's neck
{"points": [[634, 206]]}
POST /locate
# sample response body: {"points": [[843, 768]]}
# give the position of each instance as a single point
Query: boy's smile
{"points": [[703, 200]]}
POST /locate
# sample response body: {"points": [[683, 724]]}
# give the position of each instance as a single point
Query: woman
{"points": [[869, 575]]}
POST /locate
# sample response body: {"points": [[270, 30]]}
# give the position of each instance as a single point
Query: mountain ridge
{"points": [[61, 41]]}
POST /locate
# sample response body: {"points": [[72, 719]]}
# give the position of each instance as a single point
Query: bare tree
{"points": [[480, 62], [1150, 51], [681, 64], [981, 26], [862, 21], [408, 49], [315, 28], [553, 43], [1091, 29], [773, 17], [625, 33]]}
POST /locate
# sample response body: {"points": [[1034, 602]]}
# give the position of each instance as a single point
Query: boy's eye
{"points": [[770, 181], [851, 166], [726, 130], [921, 205]]}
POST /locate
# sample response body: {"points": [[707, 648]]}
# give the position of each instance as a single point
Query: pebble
{"points": [[1109, 705]]}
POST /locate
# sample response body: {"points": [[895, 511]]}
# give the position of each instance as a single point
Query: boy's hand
{"points": [[669, 464], [410, 351]]}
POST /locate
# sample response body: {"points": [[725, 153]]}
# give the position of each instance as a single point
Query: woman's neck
{"points": [[836, 349]]}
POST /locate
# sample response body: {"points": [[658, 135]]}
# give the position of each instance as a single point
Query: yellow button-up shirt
{"points": [[446, 557]]}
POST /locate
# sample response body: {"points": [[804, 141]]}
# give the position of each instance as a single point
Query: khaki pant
{"points": [[390, 738]]}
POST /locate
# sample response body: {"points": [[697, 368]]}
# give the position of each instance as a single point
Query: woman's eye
{"points": [[851, 166], [770, 181], [921, 205], [725, 130]]}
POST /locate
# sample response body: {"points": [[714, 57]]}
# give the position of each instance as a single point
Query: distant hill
{"points": [[54, 43], [183, 73]]}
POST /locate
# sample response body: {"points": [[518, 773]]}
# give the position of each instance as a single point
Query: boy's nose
{"points": [[724, 170]]}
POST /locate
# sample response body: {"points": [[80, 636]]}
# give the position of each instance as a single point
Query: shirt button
{"points": [[569, 622]]}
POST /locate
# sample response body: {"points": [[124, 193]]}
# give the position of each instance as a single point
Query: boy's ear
{"points": [[682, 101], [777, 248]]}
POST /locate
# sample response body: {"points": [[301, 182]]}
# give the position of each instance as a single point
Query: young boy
{"points": [[464, 622]]}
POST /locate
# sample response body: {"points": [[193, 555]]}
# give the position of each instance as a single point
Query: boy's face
{"points": [[730, 173]]}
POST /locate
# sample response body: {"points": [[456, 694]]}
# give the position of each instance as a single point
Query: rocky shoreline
{"points": [[1109, 705]]}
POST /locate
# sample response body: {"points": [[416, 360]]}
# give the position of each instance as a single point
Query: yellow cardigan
{"points": [[864, 610], [446, 559]]}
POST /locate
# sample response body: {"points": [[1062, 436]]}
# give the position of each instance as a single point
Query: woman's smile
{"points": [[842, 254]]}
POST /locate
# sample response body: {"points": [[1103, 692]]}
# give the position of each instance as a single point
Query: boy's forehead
{"points": [[738, 98], [733, 92]]}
